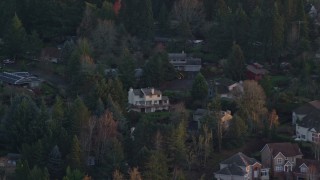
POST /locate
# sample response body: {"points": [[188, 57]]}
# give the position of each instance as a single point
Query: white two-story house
{"points": [[147, 100], [306, 118]]}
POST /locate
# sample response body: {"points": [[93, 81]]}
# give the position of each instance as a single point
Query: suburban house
{"points": [[226, 88], [147, 100], [306, 118], [281, 158], [199, 114], [189, 65], [20, 79], [241, 167], [307, 169], [9, 162], [255, 71]]}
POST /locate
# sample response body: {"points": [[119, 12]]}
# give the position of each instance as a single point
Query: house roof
{"points": [[308, 107], [177, 55], [232, 169], [17, 78], [222, 85], [240, 159], [146, 91], [286, 148], [308, 163], [256, 69], [312, 120], [200, 112]]}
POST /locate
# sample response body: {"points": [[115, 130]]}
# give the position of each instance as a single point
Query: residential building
{"points": [[189, 65], [306, 118], [307, 169], [8, 163], [226, 88], [225, 116], [147, 100], [20, 79], [241, 167], [256, 71], [51, 54], [280, 157]]}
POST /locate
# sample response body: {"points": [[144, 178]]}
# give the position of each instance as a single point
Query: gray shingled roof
{"points": [[240, 159], [311, 120], [232, 169], [308, 107]]}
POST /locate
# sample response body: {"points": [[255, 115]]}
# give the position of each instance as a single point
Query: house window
{"points": [[303, 136], [303, 169], [264, 173], [158, 95], [279, 168], [279, 161], [148, 102]]}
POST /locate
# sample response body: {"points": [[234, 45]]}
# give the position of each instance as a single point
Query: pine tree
{"points": [[277, 32], [39, 174], [157, 167], [75, 154], [55, 163], [79, 116], [199, 89], [15, 38], [236, 63]]}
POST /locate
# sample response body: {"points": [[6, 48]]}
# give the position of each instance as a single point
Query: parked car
{"points": [[8, 61]]}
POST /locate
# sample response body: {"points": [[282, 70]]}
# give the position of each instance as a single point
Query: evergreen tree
{"points": [[75, 154], [277, 33], [157, 167], [23, 123], [79, 116], [236, 64], [15, 38], [163, 19], [39, 174], [199, 89], [73, 174], [127, 71], [107, 11], [55, 163], [146, 22]]}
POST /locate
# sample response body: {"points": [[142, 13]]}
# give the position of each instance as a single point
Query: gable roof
{"points": [[240, 159], [311, 121], [308, 163], [256, 69], [232, 169], [146, 91], [286, 148], [308, 107]]}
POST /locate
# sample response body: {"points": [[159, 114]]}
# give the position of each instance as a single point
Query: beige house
{"points": [[280, 157], [147, 100], [241, 167]]}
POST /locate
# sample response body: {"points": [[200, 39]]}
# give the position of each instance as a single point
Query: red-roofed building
{"points": [[255, 71]]}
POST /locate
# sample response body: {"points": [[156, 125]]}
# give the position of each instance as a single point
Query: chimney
{"points": [[131, 89], [152, 90]]}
